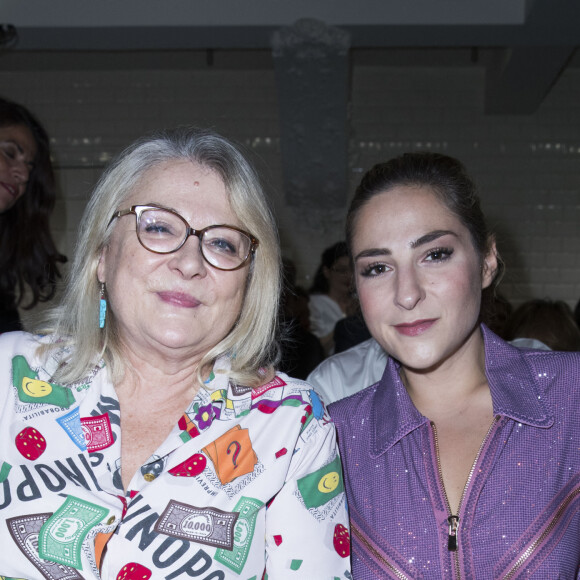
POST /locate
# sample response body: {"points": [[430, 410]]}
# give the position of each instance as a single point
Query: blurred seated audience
{"points": [[349, 332], [549, 322], [331, 297], [301, 351]]}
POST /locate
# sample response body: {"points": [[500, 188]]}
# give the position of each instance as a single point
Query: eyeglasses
{"points": [[164, 231]]}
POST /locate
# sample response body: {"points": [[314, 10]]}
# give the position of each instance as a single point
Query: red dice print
{"points": [[190, 467], [134, 571], [30, 443], [341, 541]]}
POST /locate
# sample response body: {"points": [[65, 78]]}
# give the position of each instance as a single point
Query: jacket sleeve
{"points": [[307, 530]]}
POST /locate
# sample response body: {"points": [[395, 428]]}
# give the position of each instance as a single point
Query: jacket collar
{"points": [[514, 391]]}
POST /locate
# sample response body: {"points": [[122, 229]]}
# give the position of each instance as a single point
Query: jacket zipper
{"points": [[529, 552], [453, 520], [398, 573]]}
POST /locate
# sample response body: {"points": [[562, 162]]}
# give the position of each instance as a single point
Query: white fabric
{"points": [[324, 314], [249, 481], [349, 371], [529, 343]]}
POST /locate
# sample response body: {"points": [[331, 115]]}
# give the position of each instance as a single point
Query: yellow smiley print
{"points": [[36, 388], [329, 482]]}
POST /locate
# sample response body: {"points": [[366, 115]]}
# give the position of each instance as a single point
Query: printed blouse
{"points": [[248, 485]]}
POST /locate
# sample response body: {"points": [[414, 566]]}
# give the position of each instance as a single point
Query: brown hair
{"points": [[548, 321]]}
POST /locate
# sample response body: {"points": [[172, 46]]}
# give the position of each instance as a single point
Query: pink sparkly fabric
{"points": [[520, 514]]}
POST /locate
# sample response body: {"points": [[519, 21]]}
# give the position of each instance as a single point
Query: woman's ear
{"points": [[102, 265], [490, 264]]}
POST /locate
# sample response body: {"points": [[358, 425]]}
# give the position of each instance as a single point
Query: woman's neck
{"points": [[451, 384], [159, 377]]}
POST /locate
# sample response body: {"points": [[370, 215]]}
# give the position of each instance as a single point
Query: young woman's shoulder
{"points": [[344, 410]]}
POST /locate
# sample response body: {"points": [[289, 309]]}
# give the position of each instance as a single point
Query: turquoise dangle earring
{"points": [[102, 307]]}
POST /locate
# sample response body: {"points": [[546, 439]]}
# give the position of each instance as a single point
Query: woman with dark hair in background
{"points": [[462, 461], [28, 255], [331, 294]]}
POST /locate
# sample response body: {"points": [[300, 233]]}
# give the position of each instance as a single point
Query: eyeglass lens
{"points": [[163, 231]]}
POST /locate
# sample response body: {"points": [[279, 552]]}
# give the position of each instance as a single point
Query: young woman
{"points": [[28, 256], [463, 461]]}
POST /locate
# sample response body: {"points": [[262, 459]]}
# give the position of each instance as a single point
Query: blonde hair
{"points": [[252, 342]]}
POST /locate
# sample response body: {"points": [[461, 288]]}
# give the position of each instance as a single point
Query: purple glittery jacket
{"points": [[520, 512]]}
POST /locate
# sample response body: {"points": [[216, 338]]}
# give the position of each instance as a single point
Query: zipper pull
{"points": [[452, 539]]}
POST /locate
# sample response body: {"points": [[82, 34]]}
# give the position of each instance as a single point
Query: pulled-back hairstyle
{"points": [[445, 176], [28, 256], [252, 342]]}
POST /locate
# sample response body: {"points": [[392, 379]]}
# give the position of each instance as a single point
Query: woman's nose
{"points": [[21, 171], [188, 260], [409, 289]]}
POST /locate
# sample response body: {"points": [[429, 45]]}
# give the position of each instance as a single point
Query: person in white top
{"points": [[348, 372], [331, 297]]}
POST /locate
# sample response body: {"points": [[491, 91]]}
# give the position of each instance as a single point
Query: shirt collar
{"points": [[514, 390]]}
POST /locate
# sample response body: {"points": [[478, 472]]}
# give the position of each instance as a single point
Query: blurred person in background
{"points": [[331, 296], [28, 256], [544, 324]]}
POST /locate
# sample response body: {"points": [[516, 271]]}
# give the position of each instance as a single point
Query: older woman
{"points": [[147, 435], [463, 460]]}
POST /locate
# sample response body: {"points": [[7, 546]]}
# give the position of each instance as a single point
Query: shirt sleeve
{"points": [[307, 530]]}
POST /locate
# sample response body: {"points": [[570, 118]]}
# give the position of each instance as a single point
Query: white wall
{"points": [[527, 167]]}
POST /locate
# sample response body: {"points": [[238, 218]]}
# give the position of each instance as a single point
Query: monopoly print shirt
{"points": [[248, 485]]}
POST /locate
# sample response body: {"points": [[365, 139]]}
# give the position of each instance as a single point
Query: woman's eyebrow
{"points": [[430, 237], [426, 239], [372, 253]]}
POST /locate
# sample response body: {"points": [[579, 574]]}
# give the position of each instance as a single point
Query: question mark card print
{"points": [[232, 454]]}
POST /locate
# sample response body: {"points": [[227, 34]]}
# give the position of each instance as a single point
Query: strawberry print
{"points": [[30, 443], [134, 571], [190, 467], [341, 541]]}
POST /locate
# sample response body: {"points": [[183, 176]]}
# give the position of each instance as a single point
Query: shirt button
{"points": [[111, 520], [149, 476]]}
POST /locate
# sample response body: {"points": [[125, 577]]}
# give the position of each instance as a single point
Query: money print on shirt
{"points": [[71, 424], [97, 432], [32, 390], [61, 537], [24, 531], [210, 526], [235, 558]]}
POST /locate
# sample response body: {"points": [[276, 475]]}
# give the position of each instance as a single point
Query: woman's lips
{"points": [[179, 299], [416, 327], [11, 189]]}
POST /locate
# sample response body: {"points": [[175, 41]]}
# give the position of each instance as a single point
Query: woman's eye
{"points": [[371, 270], [221, 245], [439, 255], [158, 228], [10, 152]]}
